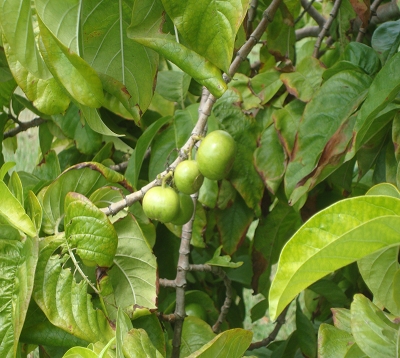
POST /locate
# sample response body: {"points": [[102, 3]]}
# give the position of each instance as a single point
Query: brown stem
{"points": [[228, 291], [271, 337], [23, 126], [167, 283], [180, 282], [311, 31], [313, 12], [326, 27], [119, 167], [362, 30], [251, 15]]}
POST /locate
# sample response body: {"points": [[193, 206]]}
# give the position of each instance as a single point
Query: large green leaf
{"points": [[17, 265], [80, 80], [336, 236], [229, 344], [386, 39], [109, 51], [138, 344], [134, 273], [208, 27], [374, 333], [89, 231], [333, 342], [325, 130], [82, 178], [46, 94], [65, 302], [18, 28]]}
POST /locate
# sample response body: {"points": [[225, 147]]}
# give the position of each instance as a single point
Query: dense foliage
{"points": [[304, 96]]}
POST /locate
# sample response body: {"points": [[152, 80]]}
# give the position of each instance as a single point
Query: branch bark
{"points": [[326, 27], [23, 126], [319, 19], [362, 30]]}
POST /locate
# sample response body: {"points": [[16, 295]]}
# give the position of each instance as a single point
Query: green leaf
{"points": [[195, 334], [229, 344], [93, 119], [386, 40], [321, 246], [134, 273], [233, 223], [80, 80], [143, 143], [306, 334], [219, 23], [382, 91], [324, 145], [15, 186], [87, 141], [109, 51], [138, 344], [363, 56], [17, 26], [45, 93], [18, 260], [34, 210], [378, 271], [266, 85], [305, 80], [331, 291], [223, 261], [13, 212], [82, 178], [333, 342], [373, 332], [65, 302], [80, 352], [89, 231], [173, 85], [5, 168], [49, 168]]}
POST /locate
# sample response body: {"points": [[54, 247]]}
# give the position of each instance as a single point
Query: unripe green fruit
{"points": [[161, 204], [216, 155], [196, 310], [187, 177], [186, 208]]}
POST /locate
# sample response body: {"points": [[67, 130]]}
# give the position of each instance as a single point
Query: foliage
{"points": [[307, 215]]}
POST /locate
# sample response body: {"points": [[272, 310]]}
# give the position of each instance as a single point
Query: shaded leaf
{"points": [[363, 56], [386, 39], [173, 85], [124, 325], [93, 119], [306, 334], [333, 342], [321, 246]]}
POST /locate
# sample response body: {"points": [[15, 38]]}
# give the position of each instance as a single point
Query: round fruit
{"points": [[187, 177], [161, 204], [186, 209], [216, 155], [196, 310]]}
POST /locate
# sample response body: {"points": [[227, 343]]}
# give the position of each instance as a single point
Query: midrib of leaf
{"points": [[122, 40]]}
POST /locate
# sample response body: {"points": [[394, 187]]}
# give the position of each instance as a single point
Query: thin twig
{"points": [[228, 291], [180, 281], [326, 27], [362, 30], [251, 15], [271, 337], [307, 6], [23, 126], [119, 167]]}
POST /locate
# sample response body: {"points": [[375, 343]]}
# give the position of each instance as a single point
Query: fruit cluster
{"points": [[214, 160]]}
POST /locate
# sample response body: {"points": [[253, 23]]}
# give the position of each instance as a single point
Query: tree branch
{"points": [[180, 281], [23, 126], [167, 283], [307, 6], [251, 15], [326, 27], [362, 30], [311, 31], [279, 323], [228, 293]]}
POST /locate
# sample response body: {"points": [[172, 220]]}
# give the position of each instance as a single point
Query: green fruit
{"points": [[186, 209], [161, 204], [187, 177], [196, 310], [216, 155]]}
